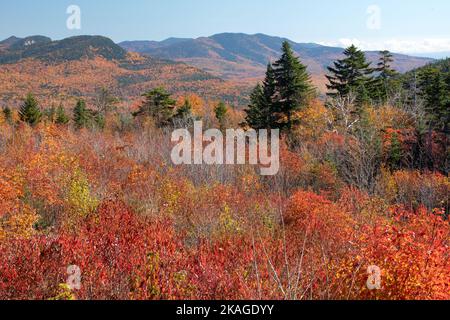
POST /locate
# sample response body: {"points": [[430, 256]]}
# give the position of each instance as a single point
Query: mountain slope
{"points": [[69, 49], [78, 66], [242, 57]]}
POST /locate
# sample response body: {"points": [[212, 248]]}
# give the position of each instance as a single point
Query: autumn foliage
{"points": [[111, 202]]}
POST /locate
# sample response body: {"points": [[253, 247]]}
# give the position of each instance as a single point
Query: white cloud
{"points": [[430, 45]]}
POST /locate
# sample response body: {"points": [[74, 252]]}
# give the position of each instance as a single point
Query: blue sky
{"points": [[399, 25]]}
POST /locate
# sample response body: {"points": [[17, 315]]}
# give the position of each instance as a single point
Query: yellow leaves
{"points": [[313, 120], [16, 218], [198, 104], [10, 191], [65, 293], [227, 224], [250, 183], [79, 197], [171, 195], [19, 223], [389, 117]]}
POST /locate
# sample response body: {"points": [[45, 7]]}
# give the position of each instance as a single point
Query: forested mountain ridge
{"points": [[239, 56], [78, 66]]}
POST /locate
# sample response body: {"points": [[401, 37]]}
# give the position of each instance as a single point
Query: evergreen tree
{"points": [[254, 113], [183, 115], [260, 112], [159, 105], [221, 114], [434, 86], [185, 111], [351, 75], [293, 87], [7, 113], [386, 73], [61, 116], [29, 111], [384, 67], [395, 152], [98, 119], [82, 116]]}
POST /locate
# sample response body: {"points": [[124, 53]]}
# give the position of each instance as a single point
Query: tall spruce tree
{"points": [[29, 111], [254, 113], [384, 66], [82, 117], [61, 116], [352, 74], [384, 84], [221, 111], [434, 86], [293, 86], [260, 112], [159, 105]]}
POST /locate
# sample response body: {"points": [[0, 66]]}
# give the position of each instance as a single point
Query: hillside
{"points": [[242, 57], [78, 66]]}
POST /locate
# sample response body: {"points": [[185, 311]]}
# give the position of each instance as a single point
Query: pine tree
{"points": [[435, 88], [82, 116], [260, 112], [29, 111], [395, 152], [185, 111], [184, 116], [61, 116], [159, 105], [351, 75], [293, 86], [254, 113], [98, 119], [221, 111], [384, 65], [384, 83]]}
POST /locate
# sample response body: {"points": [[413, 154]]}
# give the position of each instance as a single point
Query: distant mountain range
{"points": [[224, 66], [241, 57], [78, 66]]}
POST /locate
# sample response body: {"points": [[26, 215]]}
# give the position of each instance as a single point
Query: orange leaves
{"points": [[319, 220], [139, 228], [10, 191], [414, 189], [413, 255], [411, 249], [16, 219]]}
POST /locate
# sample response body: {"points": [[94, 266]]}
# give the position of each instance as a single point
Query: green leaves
{"points": [[29, 111], [285, 90], [350, 75], [159, 105]]}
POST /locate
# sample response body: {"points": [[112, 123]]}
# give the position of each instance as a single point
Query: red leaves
{"points": [[166, 237]]}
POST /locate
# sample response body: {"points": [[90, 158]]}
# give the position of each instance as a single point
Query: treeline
{"points": [[419, 102], [30, 112], [158, 106], [355, 89]]}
